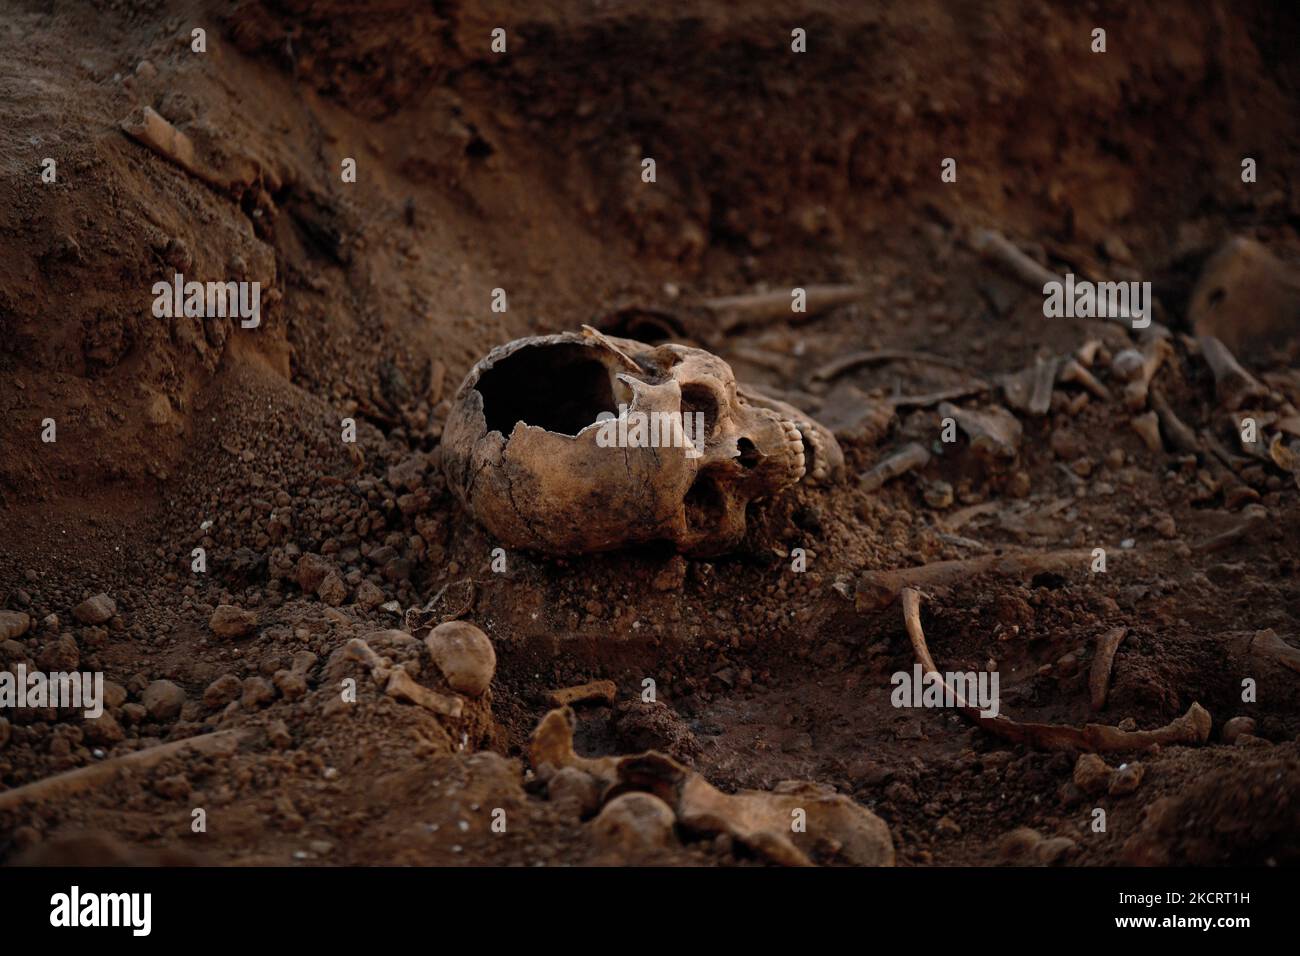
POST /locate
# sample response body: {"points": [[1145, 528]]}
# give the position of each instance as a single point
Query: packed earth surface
{"points": [[522, 171]]}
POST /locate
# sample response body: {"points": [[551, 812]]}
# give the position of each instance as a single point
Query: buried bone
{"points": [[1268, 645], [994, 432], [793, 825], [551, 445], [1191, 729], [1233, 384], [911, 456]]}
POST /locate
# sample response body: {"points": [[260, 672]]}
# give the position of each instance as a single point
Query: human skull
{"points": [[543, 446]]}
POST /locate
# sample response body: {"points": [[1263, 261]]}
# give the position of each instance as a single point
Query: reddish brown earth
{"points": [[522, 171]]}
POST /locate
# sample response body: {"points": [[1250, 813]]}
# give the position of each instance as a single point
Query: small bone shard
{"points": [[878, 589], [1268, 645], [1030, 390], [1154, 353], [994, 432], [163, 138], [602, 691], [995, 247], [1147, 425], [1234, 385], [760, 308], [1179, 434], [1074, 372], [1192, 728], [907, 458], [1099, 675]]}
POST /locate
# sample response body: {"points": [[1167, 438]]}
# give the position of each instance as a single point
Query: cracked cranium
{"points": [[575, 443]]}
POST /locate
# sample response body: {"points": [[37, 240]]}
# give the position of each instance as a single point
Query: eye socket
{"points": [[698, 399]]}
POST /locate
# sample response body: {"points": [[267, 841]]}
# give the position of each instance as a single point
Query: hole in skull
{"points": [[749, 456], [704, 504], [696, 398], [561, 388]]}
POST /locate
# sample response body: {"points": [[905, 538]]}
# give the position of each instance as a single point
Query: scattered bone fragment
{"points": [[551, 743], [1154, 353], [844, 363], [1030, 389], [853, 415], [1268, 645], [910, 456], [832, 824], [360, 651], [942, 395], [402, 686], [1192, 728], [1180, 436], [760, 308], [1088, 353], [995, 247], [464, 655], [1286, 456], [994, 432], [1234, 385], [602, 691], [222, 743], [763, 821], [1074, 372], [1247, 298], [150, 129], [876, 590], [1102, 662]]}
